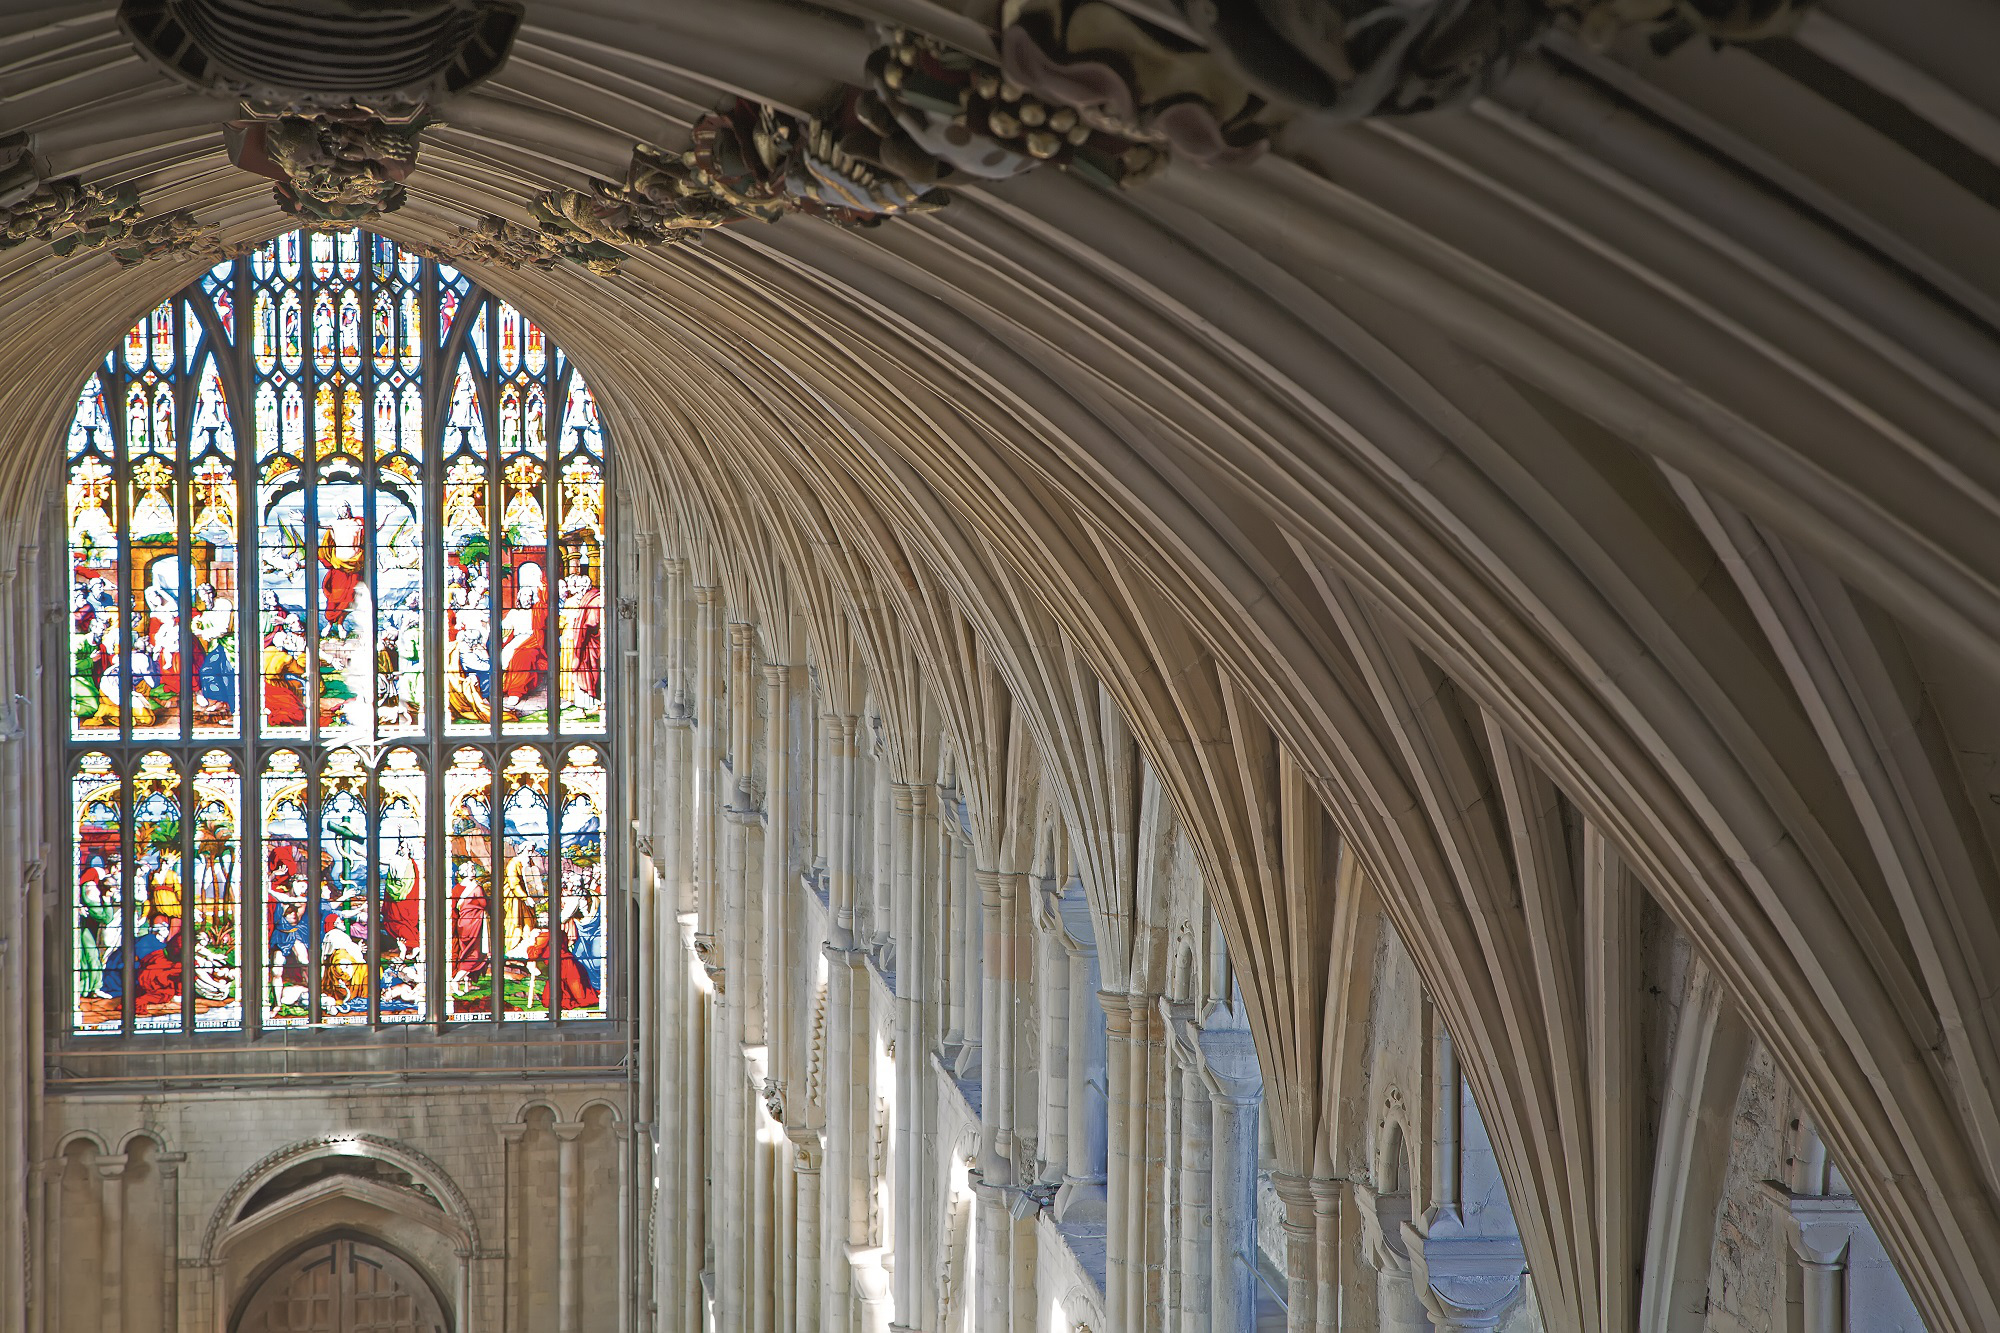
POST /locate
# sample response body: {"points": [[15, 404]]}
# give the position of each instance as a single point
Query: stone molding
{"points": [[399, 1154]]}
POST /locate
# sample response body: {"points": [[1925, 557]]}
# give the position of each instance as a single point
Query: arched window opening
{"points": [[337, 532]]}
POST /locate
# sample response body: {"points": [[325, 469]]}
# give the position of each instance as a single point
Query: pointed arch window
{"points": [[337, 533]]}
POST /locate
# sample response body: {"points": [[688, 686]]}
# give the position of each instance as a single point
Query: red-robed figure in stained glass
{"points": [[343, 553], [524, 657]]}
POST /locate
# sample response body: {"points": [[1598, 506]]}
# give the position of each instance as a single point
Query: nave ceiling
{"points": [[1627, 434]]}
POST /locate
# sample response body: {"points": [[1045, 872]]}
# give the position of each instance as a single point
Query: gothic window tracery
{"points": [[336, 526]]}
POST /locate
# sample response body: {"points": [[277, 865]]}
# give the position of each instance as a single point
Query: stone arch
{"points": [[439, 1182], [152, 1136], [529, 1107], [617, 1115], [75, 1136]]}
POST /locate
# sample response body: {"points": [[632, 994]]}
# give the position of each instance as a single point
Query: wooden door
{"points": [[343, 1286]]}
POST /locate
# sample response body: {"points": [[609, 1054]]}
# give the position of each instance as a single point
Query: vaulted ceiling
{"points": [[1634, 425]]}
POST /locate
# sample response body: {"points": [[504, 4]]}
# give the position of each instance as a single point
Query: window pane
{"points": [[582, 913], [468, 652], [97, 665], [400, 858], [217, 934], [153, 492], [468, 795], [525, 910], [382, 544], [342, 907], [581, 594], [158, 878], [212, 552], [97, 803], [288, 930]]}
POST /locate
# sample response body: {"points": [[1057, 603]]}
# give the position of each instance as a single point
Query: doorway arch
{"points": [[343, 1284]]}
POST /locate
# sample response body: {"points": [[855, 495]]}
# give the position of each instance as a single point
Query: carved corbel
{"points": [[333, 166], [75, 217]]}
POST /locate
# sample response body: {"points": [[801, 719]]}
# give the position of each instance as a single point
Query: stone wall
{"points": [[164, 1211]]}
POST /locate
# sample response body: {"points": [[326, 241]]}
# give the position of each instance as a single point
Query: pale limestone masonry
{"points": [[465, 1181], [1392, 735]]}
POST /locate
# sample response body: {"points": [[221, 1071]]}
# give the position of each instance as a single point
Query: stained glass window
{"points": [[336, 656]]}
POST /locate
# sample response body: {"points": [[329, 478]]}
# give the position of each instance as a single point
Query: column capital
{"points": [[1819, 1226], [1468, 1282], [110, 1166], [1229, 1064], [1296, 1193], [567, 1131]]}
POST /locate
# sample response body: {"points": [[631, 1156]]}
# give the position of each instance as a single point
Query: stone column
{"points": [[169, 1165], [1081, 1201], [846, 1134], [785, 1250], [694, 1116], [673, 989], [960, 1027], [972, 963], [704, 804], [916, 1283], [996, 1015], [809, 1269], [1821, 1229], [763, 1207], [1301, 1253], [110, 1170], [993, 1268], [1118, 1152], [1051, 976], [569, 1231], [1146, 1084], [778, 816], [992, 1271], [1385, 1221], [1326, 1196], [1196, 1167], [1229, 1063]]}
